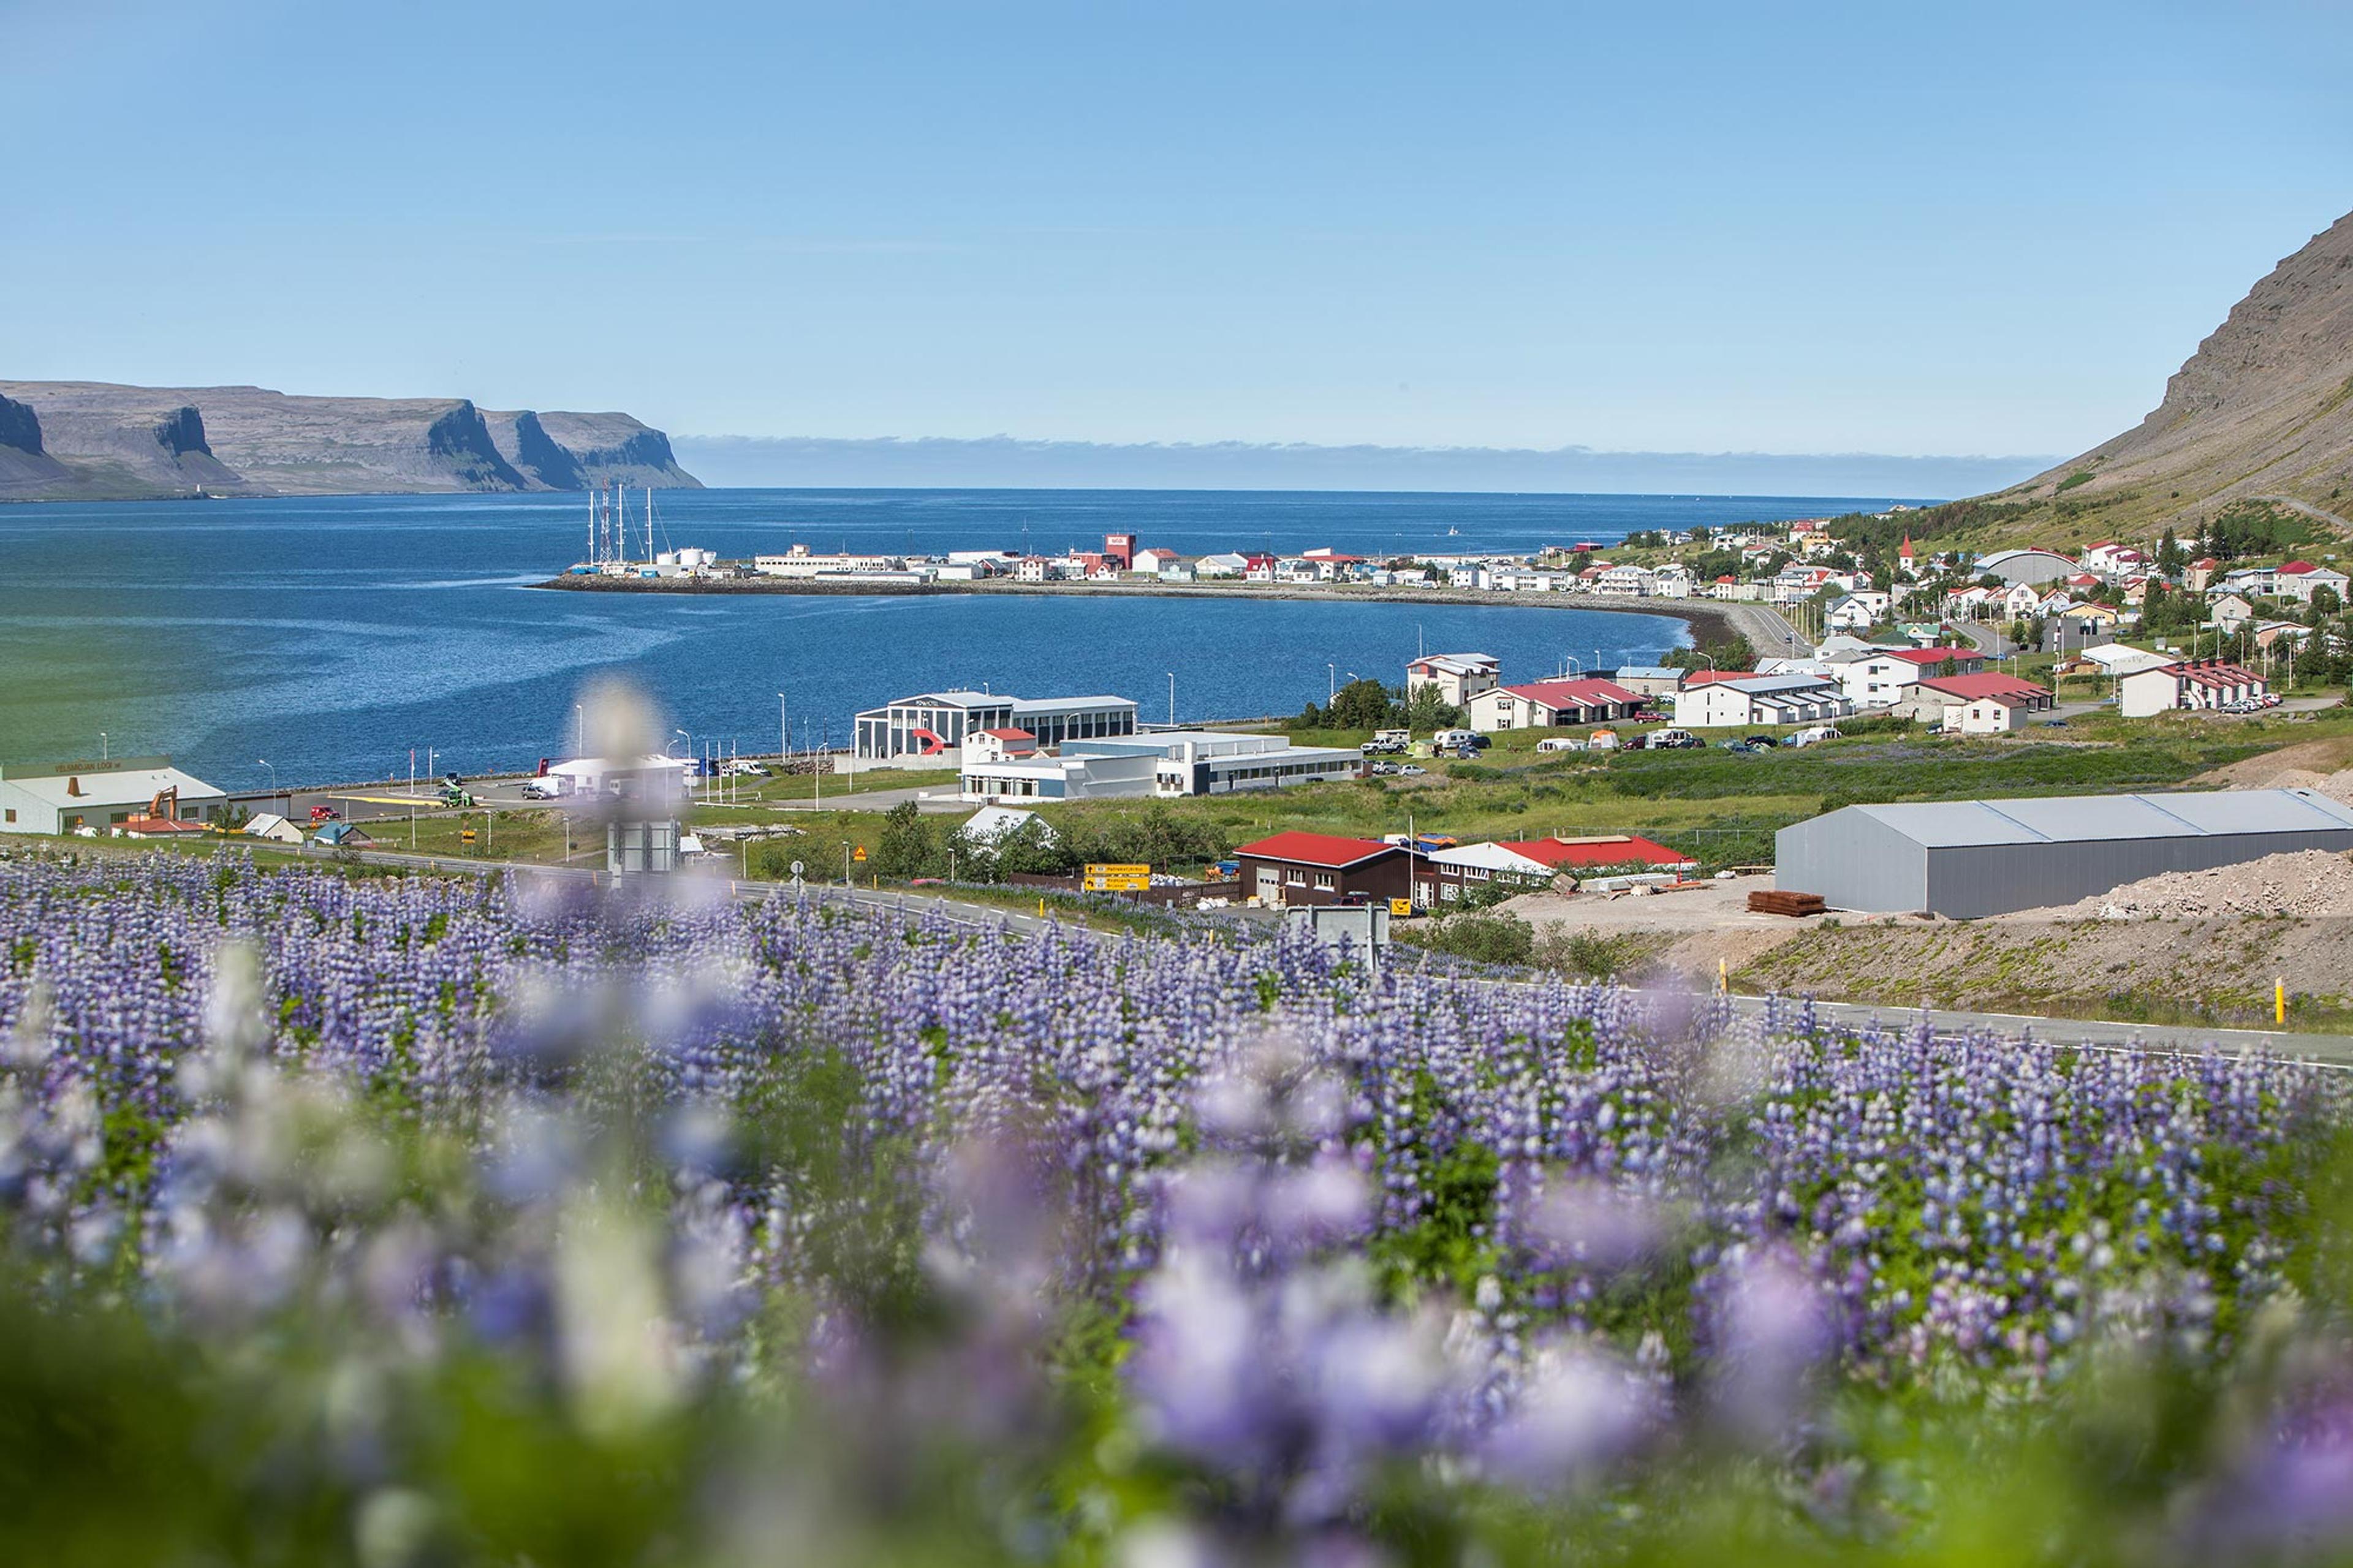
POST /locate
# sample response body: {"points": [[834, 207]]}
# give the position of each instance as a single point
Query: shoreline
{"points": [[1709, 620]]}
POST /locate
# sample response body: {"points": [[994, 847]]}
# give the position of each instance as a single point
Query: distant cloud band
{"points": [[1004, 461]]}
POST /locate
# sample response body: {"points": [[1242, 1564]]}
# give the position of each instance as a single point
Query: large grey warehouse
{"points": [[1964, 858]]}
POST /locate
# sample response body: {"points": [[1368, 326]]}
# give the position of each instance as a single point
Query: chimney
{"points": [[73, 784]]}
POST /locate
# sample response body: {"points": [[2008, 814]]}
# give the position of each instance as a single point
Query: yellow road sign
{"points": [[859, 854], [1401, 908], [1115, 879]]}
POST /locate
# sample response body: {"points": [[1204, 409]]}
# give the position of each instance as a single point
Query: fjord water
{"points": [[330, 635]]}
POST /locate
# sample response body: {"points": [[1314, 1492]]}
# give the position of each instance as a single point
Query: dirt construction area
{"points": [[2186, 947]]}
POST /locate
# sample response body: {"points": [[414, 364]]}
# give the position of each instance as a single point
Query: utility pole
{"points": [[1172, 700]]}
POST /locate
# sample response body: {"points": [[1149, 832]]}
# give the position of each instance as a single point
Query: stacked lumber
{"points": [[1778, 901]]}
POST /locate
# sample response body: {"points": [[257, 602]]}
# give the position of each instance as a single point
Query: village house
{"points": [[1743, 699], [1858, 611], [1549, 704], [1986, 703], [2229, 613], [2298, 581], [1880, 677], [2203, 684], [1458, 677]]}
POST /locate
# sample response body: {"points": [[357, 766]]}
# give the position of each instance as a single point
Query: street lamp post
{"points": [[690, 757], [1331, 686], [1172, 700], [264, 762], [105, 748]]}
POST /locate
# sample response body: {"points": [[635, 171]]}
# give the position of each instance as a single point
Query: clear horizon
{"points": [[1843, 231]]}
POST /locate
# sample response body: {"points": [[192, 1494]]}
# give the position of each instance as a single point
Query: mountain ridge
{"points": [[109, 441], [2261, 411]]}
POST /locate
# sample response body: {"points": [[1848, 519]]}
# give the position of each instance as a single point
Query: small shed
{"points": [[270, 826], [338, 835]]}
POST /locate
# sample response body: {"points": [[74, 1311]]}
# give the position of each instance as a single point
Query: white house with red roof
{"points": [[1883, 677], [1548, 704], [2299, 580], [2203, 684], [1003, 744], [1986, 703]]}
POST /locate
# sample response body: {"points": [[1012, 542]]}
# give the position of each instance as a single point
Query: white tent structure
{"points": [[270, 826]]}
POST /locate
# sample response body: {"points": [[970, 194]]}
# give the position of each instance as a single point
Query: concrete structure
{"points": [[58, 797], [1548, 704], [654, 778], [1295, 869], [935, 724], [1044, 779], [2025, 566], [1970, 859], [1744, 701], [1458, 677], [2199, 684]]}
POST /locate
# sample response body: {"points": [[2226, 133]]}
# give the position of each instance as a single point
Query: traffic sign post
{"points": [[1115, 879]]}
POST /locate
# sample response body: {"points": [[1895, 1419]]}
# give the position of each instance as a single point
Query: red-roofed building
{"points": [[1295, 868], [2299, 580], [2205, 683], [1606, 850], [1002, 745], [1704, 677], [1548, 704], [1989, 703], [1884, 676]]}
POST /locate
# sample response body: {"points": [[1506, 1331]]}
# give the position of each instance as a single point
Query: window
{"points": [[1325, 879], [11, 813], [1298, 879]]}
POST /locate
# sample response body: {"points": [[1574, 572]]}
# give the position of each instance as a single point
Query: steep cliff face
{"points": [[106, 441], [610, 447], [25, 470], [124, 441], [2265, 407], [526, 446]]}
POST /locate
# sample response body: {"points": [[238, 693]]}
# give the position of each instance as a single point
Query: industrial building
{"points": [[1966, 858], [59, 798], [1164, 763], [936, 723]]}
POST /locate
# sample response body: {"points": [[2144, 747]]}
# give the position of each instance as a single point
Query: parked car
{"points": [[1743, 747], [1411, 771], [1763, 742], [539, 789], [320, 814], [2051, 724]]}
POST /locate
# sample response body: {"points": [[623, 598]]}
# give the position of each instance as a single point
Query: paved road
{"points": [[1986, 638], [2334, 1049]]}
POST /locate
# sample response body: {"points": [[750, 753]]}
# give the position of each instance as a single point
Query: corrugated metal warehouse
{"points": [[1963, 858]]}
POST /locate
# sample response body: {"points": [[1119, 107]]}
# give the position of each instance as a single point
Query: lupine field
{"points": [[440, 1221]]}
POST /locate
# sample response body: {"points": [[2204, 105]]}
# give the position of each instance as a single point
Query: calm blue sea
{"points": [[333, 636]]}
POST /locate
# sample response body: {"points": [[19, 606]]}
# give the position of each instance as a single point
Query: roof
{"points": [[1466, 663], [1009, 734], [1316, 849], [1650, 672], [2098, 818], [991, 823], [1929, 655], [161, 826], [1608, 850], [1573, 694], [1971, 688], [336, 832], [1709, 676], [1770, 685], [2206, 672], [107, 787], [1493, 858]]}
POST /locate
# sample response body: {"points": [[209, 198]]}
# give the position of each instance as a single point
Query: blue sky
{"points": [[1794, 228]]}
